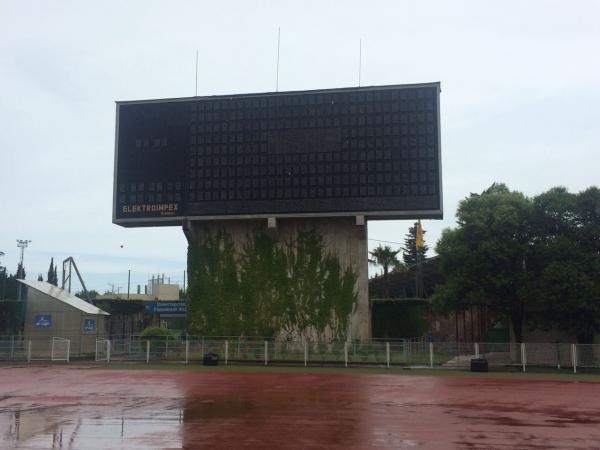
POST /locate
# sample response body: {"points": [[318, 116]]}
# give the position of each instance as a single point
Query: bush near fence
{"points": [[249, 350]]}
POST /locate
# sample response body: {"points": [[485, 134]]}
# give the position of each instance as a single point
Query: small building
{"points": [[154, 291], [55, 312], [159, 305]]}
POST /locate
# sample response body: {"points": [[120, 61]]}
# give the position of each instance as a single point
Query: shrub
{"points": [[156, 332]]}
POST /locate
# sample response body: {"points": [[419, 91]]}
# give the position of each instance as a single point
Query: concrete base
{"points": [[341, 236]]}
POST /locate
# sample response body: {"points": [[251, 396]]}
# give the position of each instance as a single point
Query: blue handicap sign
{"points": [[42, 321], [89, 325]]}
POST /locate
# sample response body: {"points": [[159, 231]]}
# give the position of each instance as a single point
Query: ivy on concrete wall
{"points": [[293, 288]]}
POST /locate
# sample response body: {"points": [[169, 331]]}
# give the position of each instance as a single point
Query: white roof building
{"points": [[64, 296]]}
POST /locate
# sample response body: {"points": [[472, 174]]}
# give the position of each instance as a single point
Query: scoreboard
{"points": [[372, 151]]}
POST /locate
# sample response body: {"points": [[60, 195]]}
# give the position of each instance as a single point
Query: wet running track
{"points": [[88, 408]]}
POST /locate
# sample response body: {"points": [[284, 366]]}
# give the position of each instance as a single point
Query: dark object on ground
{"points": [[479, 365], [210, 359]]}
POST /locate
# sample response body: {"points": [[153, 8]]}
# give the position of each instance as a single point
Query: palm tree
{"points": [[385, 257]]}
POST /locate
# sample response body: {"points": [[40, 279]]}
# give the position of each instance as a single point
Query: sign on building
{"points": [[89, 325], [42, 321], [166, 307]]}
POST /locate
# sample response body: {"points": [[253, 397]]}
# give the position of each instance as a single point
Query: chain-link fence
{"points": [[267, 351]]}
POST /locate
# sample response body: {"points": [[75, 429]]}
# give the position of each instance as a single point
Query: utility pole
{"points": [[22, 244]]}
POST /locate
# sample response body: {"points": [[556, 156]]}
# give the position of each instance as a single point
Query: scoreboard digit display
{"points": [[372, 151]]}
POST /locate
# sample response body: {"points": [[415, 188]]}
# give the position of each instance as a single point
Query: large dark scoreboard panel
{"points": [[361, 151]]}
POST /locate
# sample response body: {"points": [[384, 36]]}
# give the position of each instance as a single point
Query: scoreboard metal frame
{"points": [[175, 212]]}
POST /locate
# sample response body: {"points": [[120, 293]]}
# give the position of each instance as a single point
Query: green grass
{"points": [[394, 371]]}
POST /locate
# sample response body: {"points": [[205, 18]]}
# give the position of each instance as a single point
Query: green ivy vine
{"points": [[293, 288]]}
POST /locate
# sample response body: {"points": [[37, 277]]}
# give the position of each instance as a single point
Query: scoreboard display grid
{"points": [[370, 151]]}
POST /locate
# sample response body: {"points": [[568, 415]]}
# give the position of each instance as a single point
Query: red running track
{"points": [[88, 408]]}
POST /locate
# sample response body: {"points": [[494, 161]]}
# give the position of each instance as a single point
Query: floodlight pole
{"points": [[22, 244]]}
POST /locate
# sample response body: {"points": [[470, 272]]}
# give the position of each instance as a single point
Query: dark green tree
{"points": [[567, 264], [20, 272], [3, 282], [484, 259], [40, 278], [93, 294], [52, 276], [410, 253]]}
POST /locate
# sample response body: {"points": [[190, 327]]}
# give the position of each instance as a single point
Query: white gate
{"points": [[103, 350], [61, 349]]}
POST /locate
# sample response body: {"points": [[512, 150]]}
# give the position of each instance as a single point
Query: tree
{"points": [[20, 272], [52, 277], [40, 278], [385, 257], [567, 264], [409, 255], [92, 294], [485, 258], [3, 282]]}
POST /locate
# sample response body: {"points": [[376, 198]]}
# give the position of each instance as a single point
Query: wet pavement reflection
{"points": [[90, 408]]}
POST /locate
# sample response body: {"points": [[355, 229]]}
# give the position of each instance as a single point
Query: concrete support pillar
{"points": [[346, 237]]}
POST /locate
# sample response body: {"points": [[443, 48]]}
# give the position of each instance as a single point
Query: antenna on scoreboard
{"points": [[196, 92], [278, 45], [359, 60]]}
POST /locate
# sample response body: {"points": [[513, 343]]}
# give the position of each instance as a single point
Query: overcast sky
{"points": [[520, 95]]}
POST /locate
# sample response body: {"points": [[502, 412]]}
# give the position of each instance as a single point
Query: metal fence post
{"points": [[387, 354], [558, 356], [266, 351], [108, 351], [187, 350], [68, 350], [12, 347], [29, 351], [167, 347], [226, 352], [476, 349], [574, 357], [147, 352], [431, 355], [523, 357], [305, 352], [345, 354]]}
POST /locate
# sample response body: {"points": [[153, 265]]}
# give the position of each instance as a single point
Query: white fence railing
{"points": [[380, 353]]}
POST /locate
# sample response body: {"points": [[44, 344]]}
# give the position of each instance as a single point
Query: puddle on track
{"points": [[97, 409]]}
